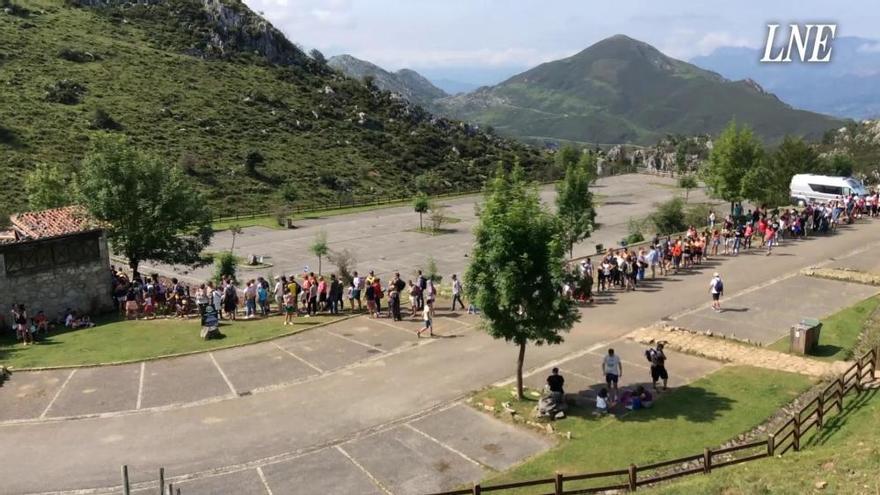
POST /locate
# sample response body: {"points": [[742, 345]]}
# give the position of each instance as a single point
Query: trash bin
{"points": [[804, 336]]}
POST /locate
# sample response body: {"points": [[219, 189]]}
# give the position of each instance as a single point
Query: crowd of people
{"points": [[306, 295]]}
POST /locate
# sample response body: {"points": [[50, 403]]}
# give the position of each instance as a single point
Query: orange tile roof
{"points": [[55, 222]]}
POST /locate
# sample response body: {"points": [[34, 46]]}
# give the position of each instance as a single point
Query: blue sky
{"points": [[449, 38]]}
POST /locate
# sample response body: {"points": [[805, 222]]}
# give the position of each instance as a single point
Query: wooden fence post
{"points": [[170, 488], [633, 478], [558, 484], [125, 488], [477, 489], [796, 439], [771, 445], [820, 411], [707, 460], [838, 395], [161, 481]]}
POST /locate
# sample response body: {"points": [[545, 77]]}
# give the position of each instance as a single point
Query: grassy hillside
{"points": [[622, 90], [207, 86]]}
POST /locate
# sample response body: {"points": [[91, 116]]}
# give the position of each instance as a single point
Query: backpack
{"points": [[231, 294], [370, 291], [719, 286], [649, 355]]}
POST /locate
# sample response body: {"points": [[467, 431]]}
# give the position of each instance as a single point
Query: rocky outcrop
{"points": [[237, 29]]}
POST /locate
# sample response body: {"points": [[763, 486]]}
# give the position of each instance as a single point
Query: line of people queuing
{"points": [[624, 268]]}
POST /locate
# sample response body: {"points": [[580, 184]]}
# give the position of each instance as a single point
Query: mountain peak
{"points": [[405, 82]]}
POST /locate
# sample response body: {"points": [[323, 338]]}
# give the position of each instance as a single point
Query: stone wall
{"points": [[84, 287]]}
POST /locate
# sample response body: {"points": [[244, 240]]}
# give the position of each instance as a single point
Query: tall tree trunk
{"points": [[319, 264], [687, 193], [519, 370], [421, 228], [133, 264], [232, 249]]}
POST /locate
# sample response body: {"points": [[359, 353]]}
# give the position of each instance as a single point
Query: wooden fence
{"points": [[812, 416]]}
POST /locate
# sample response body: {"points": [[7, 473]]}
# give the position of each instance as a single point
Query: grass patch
{"points": [[845, 456], [840, 332], [113, 340], [682, 422]]}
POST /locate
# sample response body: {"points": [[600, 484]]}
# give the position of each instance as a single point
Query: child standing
{"points": [[289, 307]]}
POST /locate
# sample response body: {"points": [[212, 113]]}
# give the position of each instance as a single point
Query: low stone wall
{"points": [[85, 287], [843, 275]]}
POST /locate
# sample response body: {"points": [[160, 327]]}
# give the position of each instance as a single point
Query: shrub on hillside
{"points": [[66, 92], [102, 120], [77, 56]]}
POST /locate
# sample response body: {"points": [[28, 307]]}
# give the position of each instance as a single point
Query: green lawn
{"points": [[845, 455], [840, 332], [115, 341], [705, 413]]}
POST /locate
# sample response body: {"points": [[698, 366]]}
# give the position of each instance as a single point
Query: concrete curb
{"points": [[182, 354]]}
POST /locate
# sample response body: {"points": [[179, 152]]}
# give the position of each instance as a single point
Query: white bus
{"points": [[823, 188]]}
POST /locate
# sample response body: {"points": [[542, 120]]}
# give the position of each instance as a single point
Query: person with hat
{"points": [[716, 289]]}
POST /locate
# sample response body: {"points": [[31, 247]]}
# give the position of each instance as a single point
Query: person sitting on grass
{"points": [[41, 324], [601, 402]]}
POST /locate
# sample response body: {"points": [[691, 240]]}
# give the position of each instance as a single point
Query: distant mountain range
{"points": [[405, 82], [621, 90], [848, 86]]}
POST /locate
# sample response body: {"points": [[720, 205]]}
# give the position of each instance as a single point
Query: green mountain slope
{"points": [[622, 90], [205, 84], [405, 82]]}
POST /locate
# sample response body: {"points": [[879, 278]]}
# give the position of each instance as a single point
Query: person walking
{"points": [[357, 289], [426, 317], [716, 289], [658, 365], [278, 293], [612, 368], [422, 282], [456, 292]]}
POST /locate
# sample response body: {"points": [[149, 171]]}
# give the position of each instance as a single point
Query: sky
{"points": [[489, 39]]}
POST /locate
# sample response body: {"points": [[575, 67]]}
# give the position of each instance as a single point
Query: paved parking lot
{"points": [[450, 447], [766, 315], [215, 375], [405, 250]]}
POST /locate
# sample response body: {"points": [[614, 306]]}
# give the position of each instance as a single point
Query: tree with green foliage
{"points": [[421, 204], [225, 265], [565, 156], [517, 268], [734, 153], [837, 164], [47, 187], [590, 165], [681, 156], [574, 205], [769, 182], [687, 182], [151, 210], [669, 217], [319, 247], [289, 192]]}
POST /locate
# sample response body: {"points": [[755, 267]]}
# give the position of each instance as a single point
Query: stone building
{"points": [[52, 260]]}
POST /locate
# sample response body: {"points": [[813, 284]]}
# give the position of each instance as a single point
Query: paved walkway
{"points": [[363, 401], [734, 352]]}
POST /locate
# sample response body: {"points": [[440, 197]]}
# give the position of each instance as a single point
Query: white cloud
{"points": [[400, 57], [869, 48], [686, 43]]}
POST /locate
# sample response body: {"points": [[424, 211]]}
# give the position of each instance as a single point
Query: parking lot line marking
{"points": [[391, 325], [303, 361], [447, 447], [58, 393], [364, 470], [357, 342], [223, 374], [141, 385], [263, 479]]}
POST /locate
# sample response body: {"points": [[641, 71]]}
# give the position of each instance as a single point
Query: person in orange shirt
{"points": [[676, 256]]}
